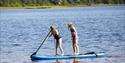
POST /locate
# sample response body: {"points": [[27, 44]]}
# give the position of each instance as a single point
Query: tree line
{"points": [[23, 3]]}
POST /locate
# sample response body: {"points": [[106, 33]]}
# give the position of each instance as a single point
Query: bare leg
{"points": [[74, 49], [57, 45], [77, 47], [60, 46]]}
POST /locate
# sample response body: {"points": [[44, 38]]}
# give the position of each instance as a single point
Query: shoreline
{"points": [[50, 7]]}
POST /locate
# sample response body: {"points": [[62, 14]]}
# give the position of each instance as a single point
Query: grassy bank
{"points": [[33, 7], [45, 7]]}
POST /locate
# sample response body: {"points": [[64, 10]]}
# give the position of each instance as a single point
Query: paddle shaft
{"points": [[41, 44]]}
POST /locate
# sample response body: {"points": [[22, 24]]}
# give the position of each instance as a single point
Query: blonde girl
{"points": [[57, 37], [74, 36]]}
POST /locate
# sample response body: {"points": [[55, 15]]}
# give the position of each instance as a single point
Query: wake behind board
{"points": [[37, 57]]}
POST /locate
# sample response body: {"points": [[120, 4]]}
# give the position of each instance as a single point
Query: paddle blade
{"points": [[91, 53], [33, 54]]}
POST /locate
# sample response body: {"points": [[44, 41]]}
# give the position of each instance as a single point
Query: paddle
{"points": [[92, 53], [41, 44]]}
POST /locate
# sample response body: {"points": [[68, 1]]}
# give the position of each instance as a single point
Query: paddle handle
{"points": [[41, 44]]}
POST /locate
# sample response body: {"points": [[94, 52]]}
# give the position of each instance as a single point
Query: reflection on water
{"points": [[59, 61], [73, 61], [76, 61]]}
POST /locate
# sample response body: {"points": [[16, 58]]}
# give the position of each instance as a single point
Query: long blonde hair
{"points": [[53, 30], [71, 26]]}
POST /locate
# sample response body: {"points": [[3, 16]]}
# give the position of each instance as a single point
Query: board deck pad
{"points": [[39, 57]]}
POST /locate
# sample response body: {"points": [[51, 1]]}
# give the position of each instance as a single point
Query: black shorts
{"points": [[57, 37]]}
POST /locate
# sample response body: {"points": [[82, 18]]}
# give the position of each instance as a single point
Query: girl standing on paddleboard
{"points": [[55, 34], [74, 38]]}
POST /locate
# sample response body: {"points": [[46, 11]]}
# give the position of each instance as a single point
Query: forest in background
{"points": [[23, 3]]}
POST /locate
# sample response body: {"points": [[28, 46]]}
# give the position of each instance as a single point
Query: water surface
{"points": [[100, 29]]}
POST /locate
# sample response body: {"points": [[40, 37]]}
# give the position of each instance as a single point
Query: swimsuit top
{"points": [[56, 35], [72, 30]]}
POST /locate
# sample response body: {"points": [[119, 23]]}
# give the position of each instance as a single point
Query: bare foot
{"points": [[62, 54], [56, 54]]}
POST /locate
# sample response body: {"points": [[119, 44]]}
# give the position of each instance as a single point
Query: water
{"points": [[100, 29]]}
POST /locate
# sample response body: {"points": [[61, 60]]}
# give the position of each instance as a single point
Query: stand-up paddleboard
{"points": [[38, 57]]}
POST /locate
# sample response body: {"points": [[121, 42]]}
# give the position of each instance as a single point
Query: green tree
{"points": [[57, 2]]}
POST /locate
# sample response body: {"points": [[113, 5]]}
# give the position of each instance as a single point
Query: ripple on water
{"points": [[16, 44], [5, 62], [10, 52], [35, 36]]}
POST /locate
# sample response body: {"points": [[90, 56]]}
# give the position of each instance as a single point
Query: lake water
{"points": [[100, 29]]}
